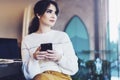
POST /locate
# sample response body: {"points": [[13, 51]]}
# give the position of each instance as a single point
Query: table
{"points": [[11, 71]]}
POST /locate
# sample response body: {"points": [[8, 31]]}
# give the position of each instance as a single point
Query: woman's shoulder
{"points": [[57, 32], [61, 35], [28, 37]]}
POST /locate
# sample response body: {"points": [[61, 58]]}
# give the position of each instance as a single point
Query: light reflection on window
{"points": [[114, 19]]}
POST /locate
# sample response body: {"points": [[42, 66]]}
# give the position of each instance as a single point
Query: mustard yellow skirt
{"points": [[52, 75]]}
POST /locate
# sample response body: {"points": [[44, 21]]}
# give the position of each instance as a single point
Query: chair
{"points": [[28, 15]]}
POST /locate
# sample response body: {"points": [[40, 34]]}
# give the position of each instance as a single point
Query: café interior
{"points": [[92, 25]]}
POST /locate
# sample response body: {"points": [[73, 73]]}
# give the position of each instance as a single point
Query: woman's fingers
{"points": [[49, 54], [53, 55], [38, 49], [39, 55]]}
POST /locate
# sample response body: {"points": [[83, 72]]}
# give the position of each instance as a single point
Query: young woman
{"points": [[57, 63]]}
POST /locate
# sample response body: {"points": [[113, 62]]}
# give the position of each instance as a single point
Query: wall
{"points": [[85, 9], [82, 8], [11, 17]]}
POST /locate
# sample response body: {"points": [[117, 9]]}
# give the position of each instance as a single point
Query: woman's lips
{"points": [[52, 20]]}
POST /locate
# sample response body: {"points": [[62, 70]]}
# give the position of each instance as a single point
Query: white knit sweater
{"points": [[61, 43]]}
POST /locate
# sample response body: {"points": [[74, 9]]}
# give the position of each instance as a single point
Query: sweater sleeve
{"points": [[25, 59], [30, 65], [69, 61]]}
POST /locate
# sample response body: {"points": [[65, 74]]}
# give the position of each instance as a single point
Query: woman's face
{"points": [[49, 17]]}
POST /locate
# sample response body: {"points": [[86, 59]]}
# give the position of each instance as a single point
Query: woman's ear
{"points": [[38, 16]]}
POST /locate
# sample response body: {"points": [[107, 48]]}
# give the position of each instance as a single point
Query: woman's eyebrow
{"points": [[50, 10]]}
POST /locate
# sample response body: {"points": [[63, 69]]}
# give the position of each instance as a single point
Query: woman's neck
{"points": [[43, 29]]}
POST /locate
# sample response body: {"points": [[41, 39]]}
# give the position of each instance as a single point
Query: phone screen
{"points": [[46, 46]]}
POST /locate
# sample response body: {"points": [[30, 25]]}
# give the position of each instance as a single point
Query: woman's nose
{"points": [[54, 16]]}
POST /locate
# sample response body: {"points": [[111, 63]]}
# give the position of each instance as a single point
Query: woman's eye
{"points": [[49, 11]]}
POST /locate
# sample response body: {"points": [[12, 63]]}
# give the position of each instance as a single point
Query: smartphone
{"points": [[46, 46]]}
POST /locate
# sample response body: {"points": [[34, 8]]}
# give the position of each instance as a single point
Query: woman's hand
{"points": [[39, 55], [53, 55], [47, 55]]}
